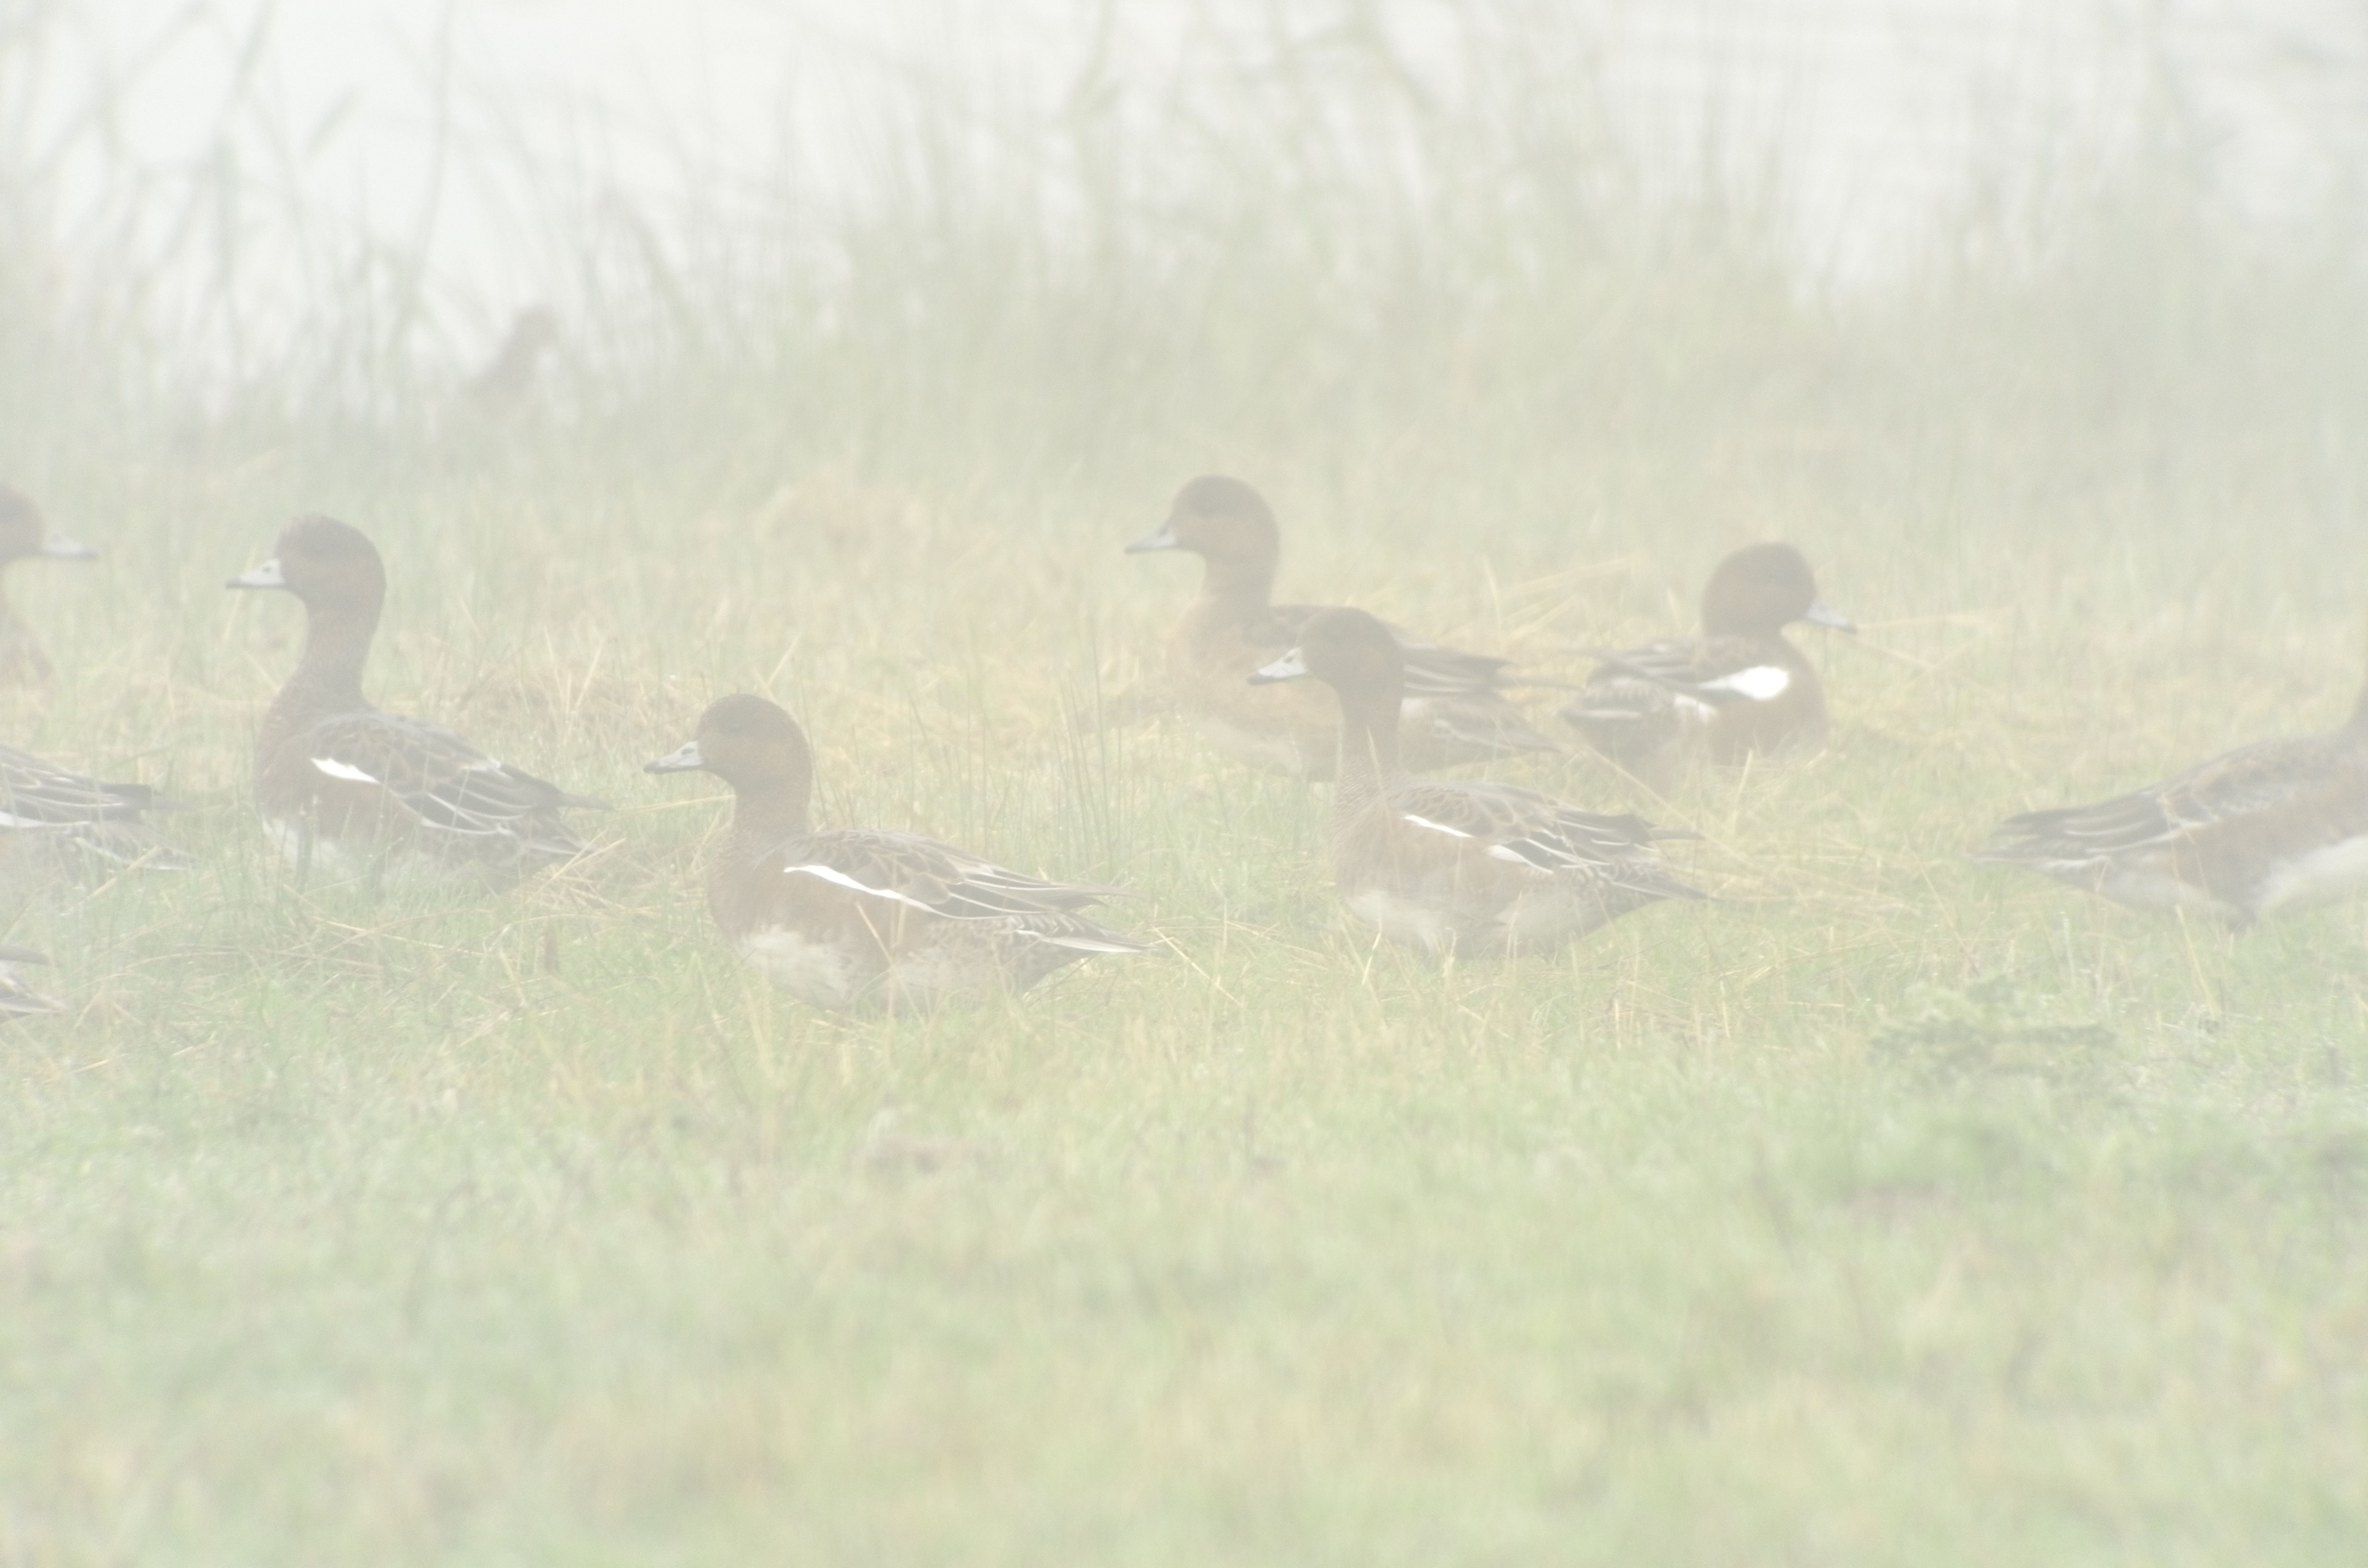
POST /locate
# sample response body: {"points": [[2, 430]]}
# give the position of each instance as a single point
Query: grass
{"points": [[1889, 1207]]}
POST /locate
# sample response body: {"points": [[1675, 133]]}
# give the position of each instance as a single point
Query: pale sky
{"points": [[1885, 104]]}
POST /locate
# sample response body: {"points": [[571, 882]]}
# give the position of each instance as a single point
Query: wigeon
{"points": [[2272, 825], [1472, 869], [24, 532], [344, 790], [507, 381], [855, 916], [57, 824], [16, 999], [1738, 689], [1454, 711]]}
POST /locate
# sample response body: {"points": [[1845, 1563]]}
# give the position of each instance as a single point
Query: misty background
{"points": [[1091, 241], [458, 134], [1885, 1207]]}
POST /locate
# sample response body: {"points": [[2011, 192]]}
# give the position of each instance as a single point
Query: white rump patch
{"points": [[2320, 877], [1760, 682], [346, 771], [333, 860], [1412, 922], [820, 972], [1434, 826], [832, 874]]}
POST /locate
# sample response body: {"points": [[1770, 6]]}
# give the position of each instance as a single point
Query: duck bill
{"points": [[685, 758], [57, 547], [267, 575], [1821, 613], [1291, 666], [1164, 540]]}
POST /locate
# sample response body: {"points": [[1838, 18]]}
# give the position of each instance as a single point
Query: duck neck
{"points": [[766, 811], [1369, 746], [20, 654], [328, 677], [8, 618], [1236, 585], [1720, 618]]}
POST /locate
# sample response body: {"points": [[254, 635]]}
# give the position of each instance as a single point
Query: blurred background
{"points": [[1080, 238], [457, 135], [834, 351], [1909, 281]]}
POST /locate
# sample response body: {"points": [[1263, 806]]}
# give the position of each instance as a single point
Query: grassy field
{"points": [[1887, 1208]]}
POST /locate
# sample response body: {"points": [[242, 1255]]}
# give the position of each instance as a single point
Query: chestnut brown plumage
{"points": [[345, 788], [851, 916], [1474, 869], [1454, 710], [1739, 689]]}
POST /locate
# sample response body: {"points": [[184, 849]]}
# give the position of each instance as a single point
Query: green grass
{"points": [[1888, 1208]]}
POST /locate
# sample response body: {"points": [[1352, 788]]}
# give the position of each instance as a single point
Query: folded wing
{"points": [[923, 874], [455, 791], [1522, 827], [98, 826], [2255, 779]]}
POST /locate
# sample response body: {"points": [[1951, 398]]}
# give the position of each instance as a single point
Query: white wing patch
{"points": [[346, 771], [1760, 682], [1434, 826], [1085, 944], [833, 874]]}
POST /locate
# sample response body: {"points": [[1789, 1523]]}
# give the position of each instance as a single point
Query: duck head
{"points": [[24, 531], [752, 745], [1762, 588], [332, 567], [1223, 521], [1348, 649]]}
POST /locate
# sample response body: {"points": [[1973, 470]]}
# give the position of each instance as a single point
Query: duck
{"points": [[346, 790], [1454, 711], [24, 532], [1458, 869], [57, 825], [18, 1000], [506, 382], [2277, 825], [1738, 690], [855, 917]]}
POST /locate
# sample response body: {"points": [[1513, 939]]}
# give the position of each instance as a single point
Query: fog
{"points": [[475, 136], [1352, 782]]}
